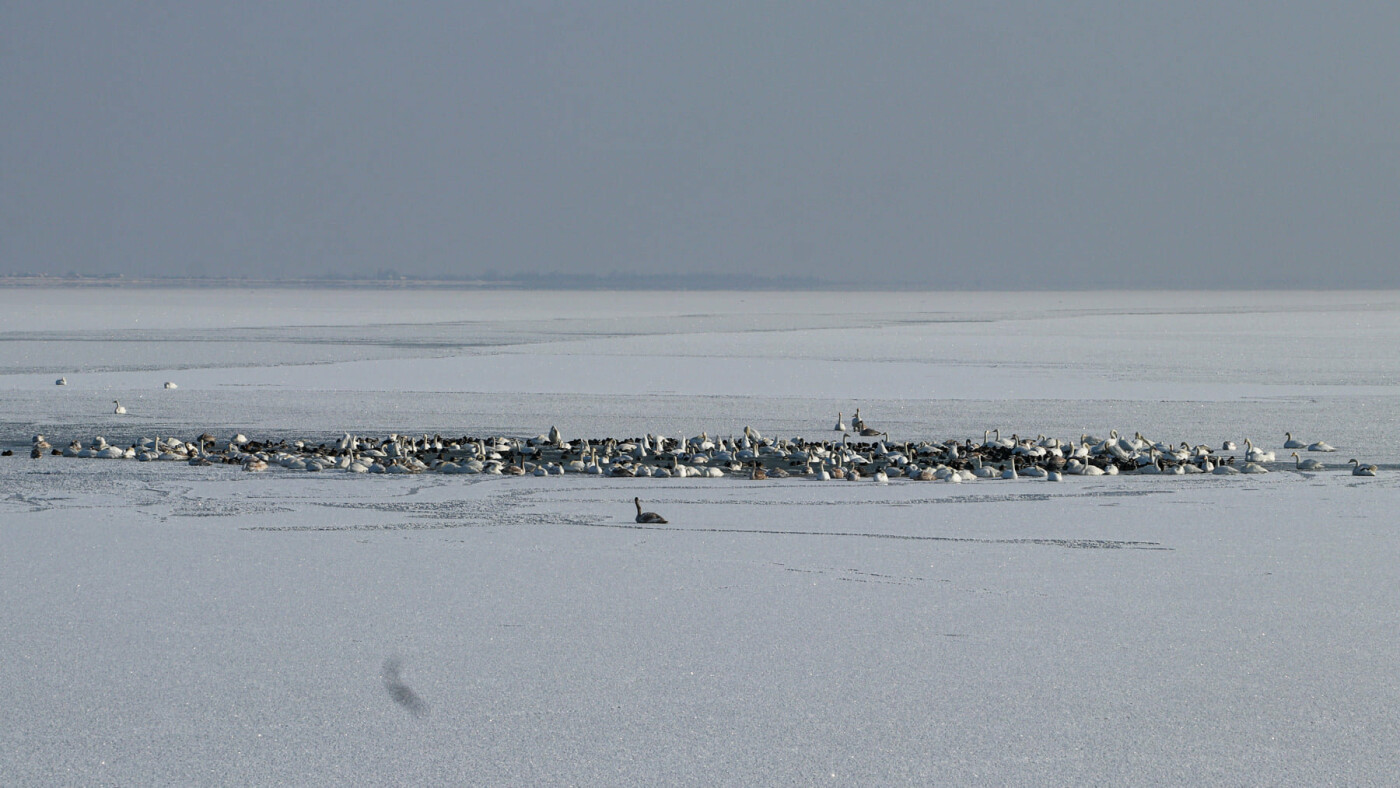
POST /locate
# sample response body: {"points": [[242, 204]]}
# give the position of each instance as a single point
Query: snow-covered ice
{"points": [[168, 624]]}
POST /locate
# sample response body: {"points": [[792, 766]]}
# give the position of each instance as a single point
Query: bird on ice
{"points": [[646, 517]]}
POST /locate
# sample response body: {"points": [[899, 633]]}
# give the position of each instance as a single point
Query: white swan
{"points": [[1306, 465], [61, 382], [983, 471], [840, 424], [119, 410], [171, 385], [1292, 444], [1320, 446], [1357, 469], [1256, 454], [647, 517]]}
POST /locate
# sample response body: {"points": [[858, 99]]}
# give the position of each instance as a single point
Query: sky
{"points": [[1014, 145]]}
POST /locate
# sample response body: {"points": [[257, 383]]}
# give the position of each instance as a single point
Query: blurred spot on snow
{"points": [[400, 691]]}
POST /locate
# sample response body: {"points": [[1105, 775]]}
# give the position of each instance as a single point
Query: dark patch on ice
{"points": [[369, 527], [856, 574], [1076, 544], [227, 509], [906, 502], [400, 691], [419, 509]]}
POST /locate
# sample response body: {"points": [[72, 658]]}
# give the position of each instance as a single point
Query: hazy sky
{"points": [[1006, 145]]}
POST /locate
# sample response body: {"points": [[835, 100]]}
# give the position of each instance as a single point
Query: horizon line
{"points": [[595, 282]]}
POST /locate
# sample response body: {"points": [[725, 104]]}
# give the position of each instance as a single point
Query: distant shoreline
{"points": [[406, 283], [577, 283]]}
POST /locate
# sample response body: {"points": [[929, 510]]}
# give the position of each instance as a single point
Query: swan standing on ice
{"points": [[1357, 469], [840, 424], [119, 410], [646, 517]]}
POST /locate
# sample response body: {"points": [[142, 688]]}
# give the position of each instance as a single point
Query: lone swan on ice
{"points": [[646, 517]]}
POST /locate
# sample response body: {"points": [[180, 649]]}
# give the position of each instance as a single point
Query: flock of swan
{"points": [[749, 455]]}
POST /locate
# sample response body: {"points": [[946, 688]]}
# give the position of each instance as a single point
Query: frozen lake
{"points": [[181, 625]]}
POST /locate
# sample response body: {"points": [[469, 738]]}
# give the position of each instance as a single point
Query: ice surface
{"points": [[177, 625]]}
